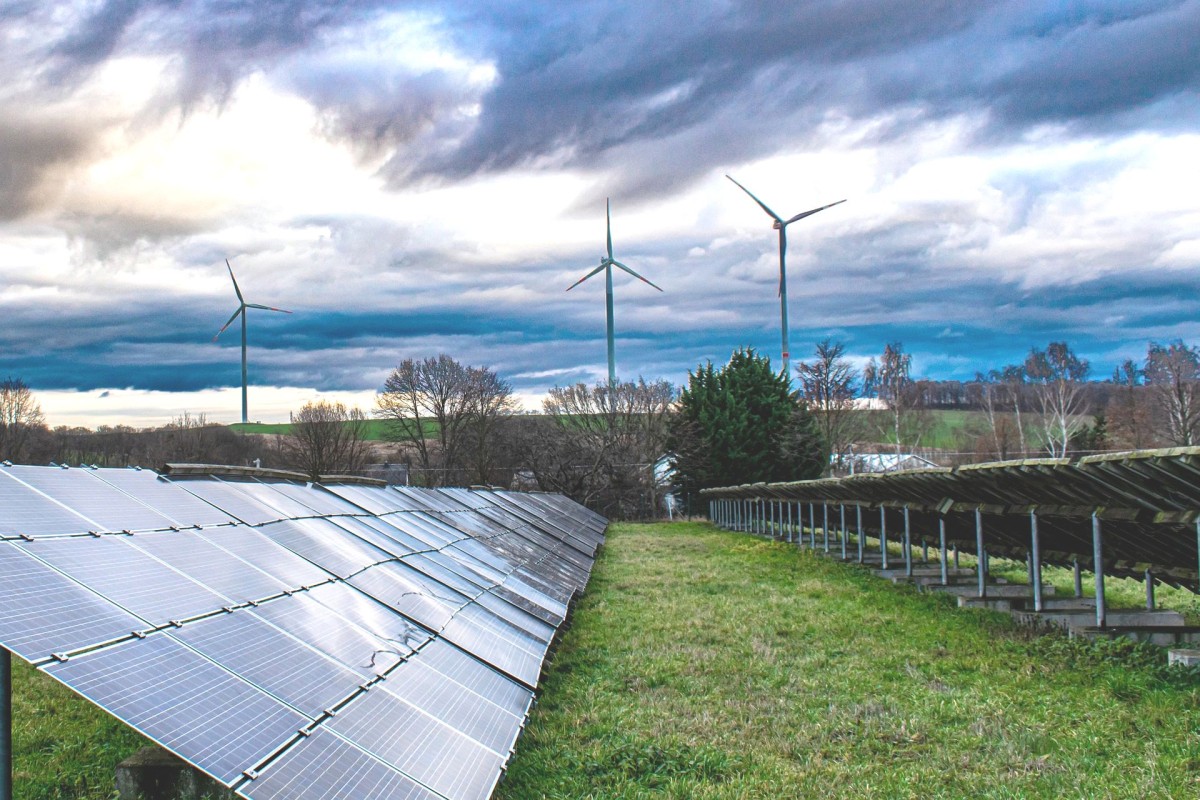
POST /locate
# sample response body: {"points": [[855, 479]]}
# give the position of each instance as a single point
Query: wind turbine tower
{"points": [[242, 306], [780, 224], [606, 264]]}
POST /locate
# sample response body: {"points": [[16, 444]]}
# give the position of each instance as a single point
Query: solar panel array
{"points": [[295, 640], [1146, 502]]}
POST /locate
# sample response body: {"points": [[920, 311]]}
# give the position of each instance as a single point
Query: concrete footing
{"points": [[152, 773], [1163, 636], [1183, 658]]}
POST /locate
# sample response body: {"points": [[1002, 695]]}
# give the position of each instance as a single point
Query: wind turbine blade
{"points": [[235, 286], [810, 213], [241, 310], [608, 219], [761, 204], [634, 274], [603, 264], [267, 308]]}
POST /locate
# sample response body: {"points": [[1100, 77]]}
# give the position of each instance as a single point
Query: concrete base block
{"points": [[924, 572], [1161, 636], [997, 591], [152, 773], [1085, 617], [1183, 658]]}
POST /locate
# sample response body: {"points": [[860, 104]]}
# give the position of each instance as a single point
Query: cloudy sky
{"points": [[423, 177]]}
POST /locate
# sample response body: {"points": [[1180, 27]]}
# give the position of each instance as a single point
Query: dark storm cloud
{"points": [[660, 92]]}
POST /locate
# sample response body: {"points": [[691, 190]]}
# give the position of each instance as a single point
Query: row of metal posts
{"points": [[763, 516]]}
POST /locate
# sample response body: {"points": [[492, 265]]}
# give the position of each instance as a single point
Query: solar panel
{"points": [[327, 766], [440, 757], [293, 641], [166, 498], [45, 612], [85, 494], [31, 513], [303, 677], [129, 577], [184, 702]]}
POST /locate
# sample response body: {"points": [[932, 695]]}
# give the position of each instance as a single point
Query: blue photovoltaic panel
{"points": [[393, 542], [455, 704], [132, 579], [25, 511], [231, 500], [445, 760], [325, 544], [422, 631], [217, 569], [265, 656], [344, 639], [410, 593], [185, 702], [251, 546], [46, 613], [85, 494], [475, 675], [328, 767], [273, 495], [166, 498], [399, 633]]}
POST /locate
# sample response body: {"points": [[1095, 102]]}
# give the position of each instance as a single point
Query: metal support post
{"points": [[980, 554], [1078, 574], [858, 508], [825, 524], [1149, 590], [812, 525], [791, 528], [883, 537], [925, 550], [1035, 562], [842, 535], [907, 546], [6, 760], [956, 556], [1098, 565], [942, 541]]}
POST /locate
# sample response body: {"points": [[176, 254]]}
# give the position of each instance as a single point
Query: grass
{"points": [[708, 664]]}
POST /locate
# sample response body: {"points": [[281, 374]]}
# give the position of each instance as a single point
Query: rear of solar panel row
{"points": [[292, 640]]}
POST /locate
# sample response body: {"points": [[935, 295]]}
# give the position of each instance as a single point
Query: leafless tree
{"points": [[829, 384], [890, 379], [490, 406], [1128, 408], [1173, 372], [1057, 376], [448, 413], [326, 439], [20, 419], [599, 444]]}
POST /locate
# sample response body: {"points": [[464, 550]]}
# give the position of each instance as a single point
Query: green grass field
{"points": [[376, 429], [709, 664], [706, 664]]}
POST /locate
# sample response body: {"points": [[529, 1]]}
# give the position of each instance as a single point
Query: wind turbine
{"points": [[606, 264], [780, 225], [242, 306]]}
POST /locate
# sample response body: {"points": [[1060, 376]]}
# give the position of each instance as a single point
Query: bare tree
{"points": [[326, 439], [1173, 372], [829, 384], [1057, 376], [599, 444], [890, 379], [449, 414], [1128, 410], [20, 419], [490, 405]]}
